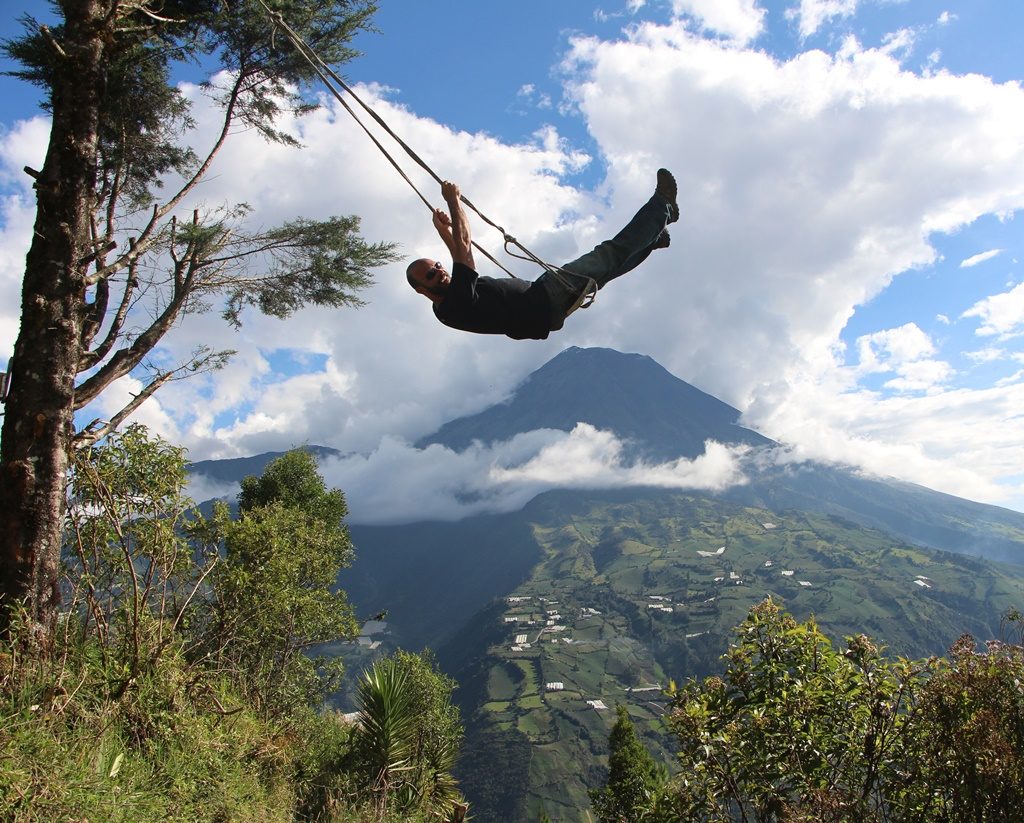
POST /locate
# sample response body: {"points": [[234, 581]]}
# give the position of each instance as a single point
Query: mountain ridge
{"points": [[659, 416]]}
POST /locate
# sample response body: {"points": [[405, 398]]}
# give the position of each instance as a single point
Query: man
{"points": [[517, 308]]}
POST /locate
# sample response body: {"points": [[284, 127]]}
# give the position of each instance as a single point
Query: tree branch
{"points": [[91, 358], [207, 362]]}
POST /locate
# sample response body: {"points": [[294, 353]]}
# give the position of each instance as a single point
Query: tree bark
{"points": [[38, 421]]}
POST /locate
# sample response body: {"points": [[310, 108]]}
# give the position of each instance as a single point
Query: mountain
{"points": [[234, 470], [580, 600], [661, 416], [920, 515], [664, 418]]}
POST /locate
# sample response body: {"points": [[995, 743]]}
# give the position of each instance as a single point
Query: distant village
{"points": [[544, 622]]}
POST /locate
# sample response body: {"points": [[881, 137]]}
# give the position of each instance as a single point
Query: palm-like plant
{"points": [[406, 743], [386, 734]]}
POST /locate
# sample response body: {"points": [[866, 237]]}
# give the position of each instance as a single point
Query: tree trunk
{"points": [[39, 415]]}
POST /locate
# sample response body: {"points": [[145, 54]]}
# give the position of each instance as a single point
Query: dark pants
{"points": [[612, 258]]}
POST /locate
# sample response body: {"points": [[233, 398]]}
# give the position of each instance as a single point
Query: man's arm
{"points": [[461, 243], [443, 224]]}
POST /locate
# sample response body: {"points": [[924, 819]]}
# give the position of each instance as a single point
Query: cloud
{"points": [[529, 94], [964, 442], [23, 145], [974, 260], [900, 43], [906, 351], [813, 14], [397, 483], [1001, 315], [739, 20], [920, 375], [884, 350], [591, 458], [201, 488], [988, 355]]}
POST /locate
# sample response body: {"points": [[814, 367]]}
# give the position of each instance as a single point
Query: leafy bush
{"points": [[797, 731], [179, 688]]}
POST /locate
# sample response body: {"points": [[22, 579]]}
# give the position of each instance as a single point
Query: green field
{"points": [[640, 605]]}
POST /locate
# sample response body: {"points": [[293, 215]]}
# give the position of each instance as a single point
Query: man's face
{"points": [[430, 277]]}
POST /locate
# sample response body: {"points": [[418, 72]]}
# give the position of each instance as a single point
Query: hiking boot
{"points": [[667, 190]]}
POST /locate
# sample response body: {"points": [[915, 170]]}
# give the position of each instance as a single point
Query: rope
{"points": [[328, 76]]}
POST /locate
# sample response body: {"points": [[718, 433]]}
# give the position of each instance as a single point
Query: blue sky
{"points": [[846, 271]]}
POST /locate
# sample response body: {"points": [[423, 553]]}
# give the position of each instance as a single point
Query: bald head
{"points": [[429, 278]]}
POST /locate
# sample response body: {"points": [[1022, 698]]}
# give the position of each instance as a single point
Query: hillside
{"points": [[614, 597], [660, 417], [616, 592]]}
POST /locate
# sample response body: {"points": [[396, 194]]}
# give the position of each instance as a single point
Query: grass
{"points": [[148, 756]]}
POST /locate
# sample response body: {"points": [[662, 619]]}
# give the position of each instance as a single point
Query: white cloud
{"points": [[981, 257], [1000, 314], [202, 488], [397, 483], [884, 350], [150, 414], [739, 20], [946, 18], [906, 351], [813, 14], [963, 442], [920, 375], [529, 94], [899, 43], [989, 355], [591, 458], [23, 145]]}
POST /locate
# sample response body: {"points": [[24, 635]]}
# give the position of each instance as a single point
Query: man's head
{"points": [[429, 278]]}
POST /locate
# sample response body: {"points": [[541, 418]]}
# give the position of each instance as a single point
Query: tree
{"points": [[796, 730], [634, 778], [274, 596], [962, 757], [178, 687], [116, 260], [132, 573], [293, 480]]}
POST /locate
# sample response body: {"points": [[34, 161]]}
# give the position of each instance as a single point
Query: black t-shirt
{"points": [[488, 305]]}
